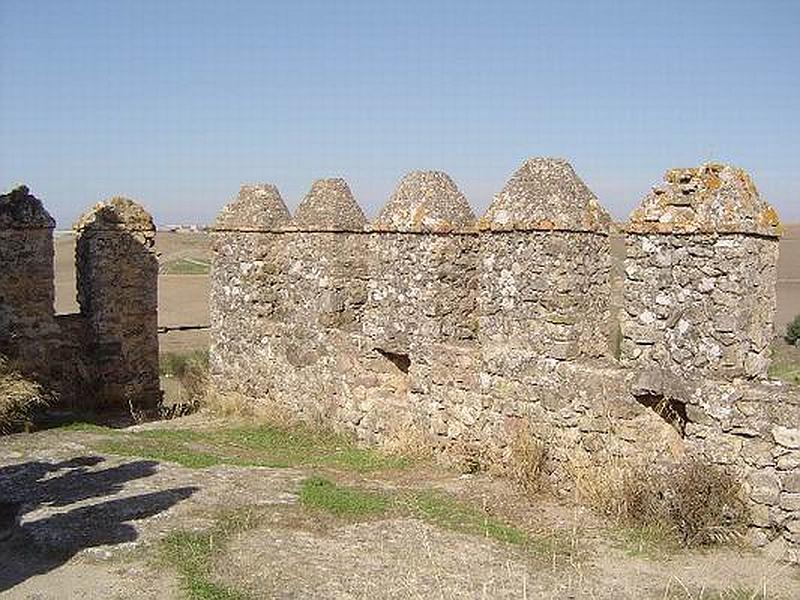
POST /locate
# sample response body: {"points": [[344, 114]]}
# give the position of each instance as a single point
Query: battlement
{"points": [[429, 319], [105, 357]]}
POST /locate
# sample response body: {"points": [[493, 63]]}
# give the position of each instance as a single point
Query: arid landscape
{"points": [[204, 508]]}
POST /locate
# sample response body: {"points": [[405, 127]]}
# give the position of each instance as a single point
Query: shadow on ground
{"points": [[42, 544]]}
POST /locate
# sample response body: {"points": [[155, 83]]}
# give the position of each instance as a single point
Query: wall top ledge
{"points": [[19, 209], [545, 194], [711, 198]]}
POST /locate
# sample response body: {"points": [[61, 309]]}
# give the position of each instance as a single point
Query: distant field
{"points": [[182, 285], [183, 282]]}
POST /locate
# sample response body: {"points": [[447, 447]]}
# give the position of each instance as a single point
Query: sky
{"points": [[177, 103]]}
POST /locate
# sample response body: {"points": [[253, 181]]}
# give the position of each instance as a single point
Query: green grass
{"points": [[186, 266], [785, 371], [433, 507], [192, 553], [320, 493], [176, 364], [250, 446]]}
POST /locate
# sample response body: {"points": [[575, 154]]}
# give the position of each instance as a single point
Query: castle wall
{"points": [[117, 279], [474, 333], [106, 356], [26, 280], [702, 304]]}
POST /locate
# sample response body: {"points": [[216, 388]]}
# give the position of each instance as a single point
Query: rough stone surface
{"points": [[425, 201], [700, 274], [26, 280], [546, 194], [426, 326], [117, 278], [258, 207], [106, 356], [329, 206], [712, 198]]}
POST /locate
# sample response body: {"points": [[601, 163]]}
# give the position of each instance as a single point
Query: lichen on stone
{"points": [[19, 209], [711, 198], [258, 207], [329, 206], [425, 201], [546, 194]]}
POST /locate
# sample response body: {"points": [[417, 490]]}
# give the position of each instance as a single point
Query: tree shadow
{"points": [[38, 546]]}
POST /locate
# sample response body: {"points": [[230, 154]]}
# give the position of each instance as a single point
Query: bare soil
{"points": [[92, 523]]}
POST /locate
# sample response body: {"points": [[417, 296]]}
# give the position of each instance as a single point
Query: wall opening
{"points": [[669, 409], [401, 361]]}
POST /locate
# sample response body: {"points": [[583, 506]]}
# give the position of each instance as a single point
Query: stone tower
{"points": [[545, 264], [700, 273], [26, 279], [117, 277], [248, 291]]}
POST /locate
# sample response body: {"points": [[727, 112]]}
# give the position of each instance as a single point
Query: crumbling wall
{"points": [[471, 334], [26, 280], [117, 279], [700, 269], [105, 357]]}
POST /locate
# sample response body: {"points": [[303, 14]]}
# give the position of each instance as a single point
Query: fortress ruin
{"points": [[429, 323], [469, 330], [105, 357]]}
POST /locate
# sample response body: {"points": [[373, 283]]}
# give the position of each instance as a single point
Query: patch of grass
{"points": [[678, 591], [186, 457], [192, 553], [433, 507], [785, 371], [320, 493], [186, 266], [256, 446]]}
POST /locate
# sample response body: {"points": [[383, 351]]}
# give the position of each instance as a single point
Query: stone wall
{"points": [[468, 332], [700, 268], [117, 278], [107, 355]]}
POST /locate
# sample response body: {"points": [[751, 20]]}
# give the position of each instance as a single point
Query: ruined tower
{"points": [[700, 273], [26, 279], [117, 277]]}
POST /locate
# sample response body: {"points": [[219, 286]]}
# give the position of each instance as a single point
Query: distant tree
{"points": [[793, 332]]}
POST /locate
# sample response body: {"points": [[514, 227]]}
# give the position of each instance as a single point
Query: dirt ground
{"points": [[92, 522], [183, 298]]}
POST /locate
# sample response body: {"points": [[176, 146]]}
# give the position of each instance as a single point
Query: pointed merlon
{"points": [[329, 206], [425, 201], [259, 207], [19, 209], [116, 213], [712, 198], [546, 194]]}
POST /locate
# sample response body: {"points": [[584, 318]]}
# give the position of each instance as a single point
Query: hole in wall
{"points": [[401, 361], [669, 409]]}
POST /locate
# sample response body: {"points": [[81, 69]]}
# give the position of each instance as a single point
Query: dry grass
{"points": [[694, 502], [18, 397], [526, 458]]}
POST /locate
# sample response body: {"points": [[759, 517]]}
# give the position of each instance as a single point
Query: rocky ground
{"points": [[193, 508]]}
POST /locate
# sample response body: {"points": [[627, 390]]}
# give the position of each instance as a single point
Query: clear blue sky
{"points": [[177, 103]]}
